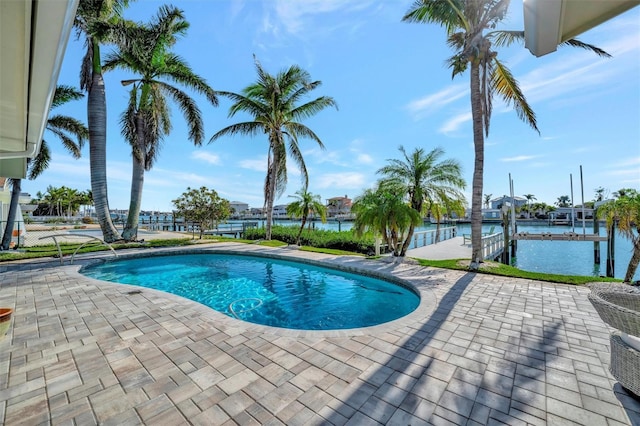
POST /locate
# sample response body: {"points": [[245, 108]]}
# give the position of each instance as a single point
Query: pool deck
{"points": [[479, 350]]}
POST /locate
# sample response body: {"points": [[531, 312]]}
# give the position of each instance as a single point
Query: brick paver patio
{"points": [[479, 350]]}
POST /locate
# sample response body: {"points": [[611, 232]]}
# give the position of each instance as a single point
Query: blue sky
{"points": [[392, 87]]}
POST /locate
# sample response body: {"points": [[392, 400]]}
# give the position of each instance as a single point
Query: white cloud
{"points": [[424, 106], [207, 157], [347, 180], [256, 164], [519, 158], [452, 125], [296, 16]]}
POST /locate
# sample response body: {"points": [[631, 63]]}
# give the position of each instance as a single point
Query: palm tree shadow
{"points": [[503, 378], [406, 354]]}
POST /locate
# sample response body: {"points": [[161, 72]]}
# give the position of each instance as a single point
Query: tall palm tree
{"points": [[147, 120], [273, 102], [625, 211], [424, 177], [95, 21], [470, 28], [66, 129], [305, 204], [387, 214]]}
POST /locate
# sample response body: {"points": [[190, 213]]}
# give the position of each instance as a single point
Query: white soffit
{"points": [[33, 38], [548, 23]]}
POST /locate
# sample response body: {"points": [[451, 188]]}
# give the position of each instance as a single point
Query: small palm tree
{"points": [[470, 26], [306, 203], [146, 121], [425, 179], [273, 102], [563, 201], [487, 200], [66, 129], [387, 215], [530, 198], [95, 20], [625, 211]]}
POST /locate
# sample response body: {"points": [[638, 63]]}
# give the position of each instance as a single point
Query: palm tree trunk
{"points": [[304, 220], [130, 232], [271, 191], [16, 188], [633, 263], [97, 121], [478, 168], [407, 241]]}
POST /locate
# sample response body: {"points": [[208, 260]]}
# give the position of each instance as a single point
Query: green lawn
{"points": [[492, 268]]}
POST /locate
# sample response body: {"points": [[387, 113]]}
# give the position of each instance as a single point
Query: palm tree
{"points": [[65, 128], [470, 28], [625, 211], [273, 102], [95, 21], [563, 201], [387, 215], [147, 120], [487, 200], [424, 178], [305, 204], [530, 198]]}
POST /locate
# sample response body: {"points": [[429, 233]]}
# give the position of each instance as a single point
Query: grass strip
{"points": [[495, 268]]}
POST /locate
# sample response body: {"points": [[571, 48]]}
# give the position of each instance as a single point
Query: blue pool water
{"points": [[267, 291]]}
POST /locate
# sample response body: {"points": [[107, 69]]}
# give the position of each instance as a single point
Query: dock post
{"points": [[611, 241], [596, 244]]}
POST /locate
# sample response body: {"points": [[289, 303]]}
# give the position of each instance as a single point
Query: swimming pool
{"points": [[267, 291]]}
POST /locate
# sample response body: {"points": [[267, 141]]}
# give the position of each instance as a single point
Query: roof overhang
{"points": [[33, 38], [549, 23]]}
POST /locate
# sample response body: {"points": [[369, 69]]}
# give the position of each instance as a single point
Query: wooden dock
{"points": [[453, 248]]}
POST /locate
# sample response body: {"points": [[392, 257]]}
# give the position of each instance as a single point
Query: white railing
{"points": [[492, 245], [423, 238]]}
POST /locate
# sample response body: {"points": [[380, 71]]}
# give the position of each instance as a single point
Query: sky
{"points": [[392, 87]]}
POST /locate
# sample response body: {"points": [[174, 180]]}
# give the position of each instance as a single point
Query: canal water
{"points": [[555, 257]]}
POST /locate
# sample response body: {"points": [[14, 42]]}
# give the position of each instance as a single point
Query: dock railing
{"points": [[423, 238], [492, 245]]}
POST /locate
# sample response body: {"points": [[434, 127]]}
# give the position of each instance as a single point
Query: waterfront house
{"points": [[338, 206]]}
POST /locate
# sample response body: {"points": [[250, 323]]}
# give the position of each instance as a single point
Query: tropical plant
{"points": [[624, 212], [601, 194], [487, 200], [387, 214], [470, 26], [530, 198], [306, 204], [147, 119], [425, 178], [66, 129], [563, 201], [273, 103], [203, 206], [97, 22]]}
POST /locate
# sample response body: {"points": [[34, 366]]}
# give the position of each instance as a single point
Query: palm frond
{"points": [[249, 128], [503, 83], [577, 43], [506, 38], [190, 111], [41, 161]]}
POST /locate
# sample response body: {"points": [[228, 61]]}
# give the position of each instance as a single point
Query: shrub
{"points": [[345, 240], [88, 220]]}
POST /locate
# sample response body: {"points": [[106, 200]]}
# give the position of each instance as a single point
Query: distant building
{"points": [[280, 211], [497, 203], [338, 206], [239, 207]]}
